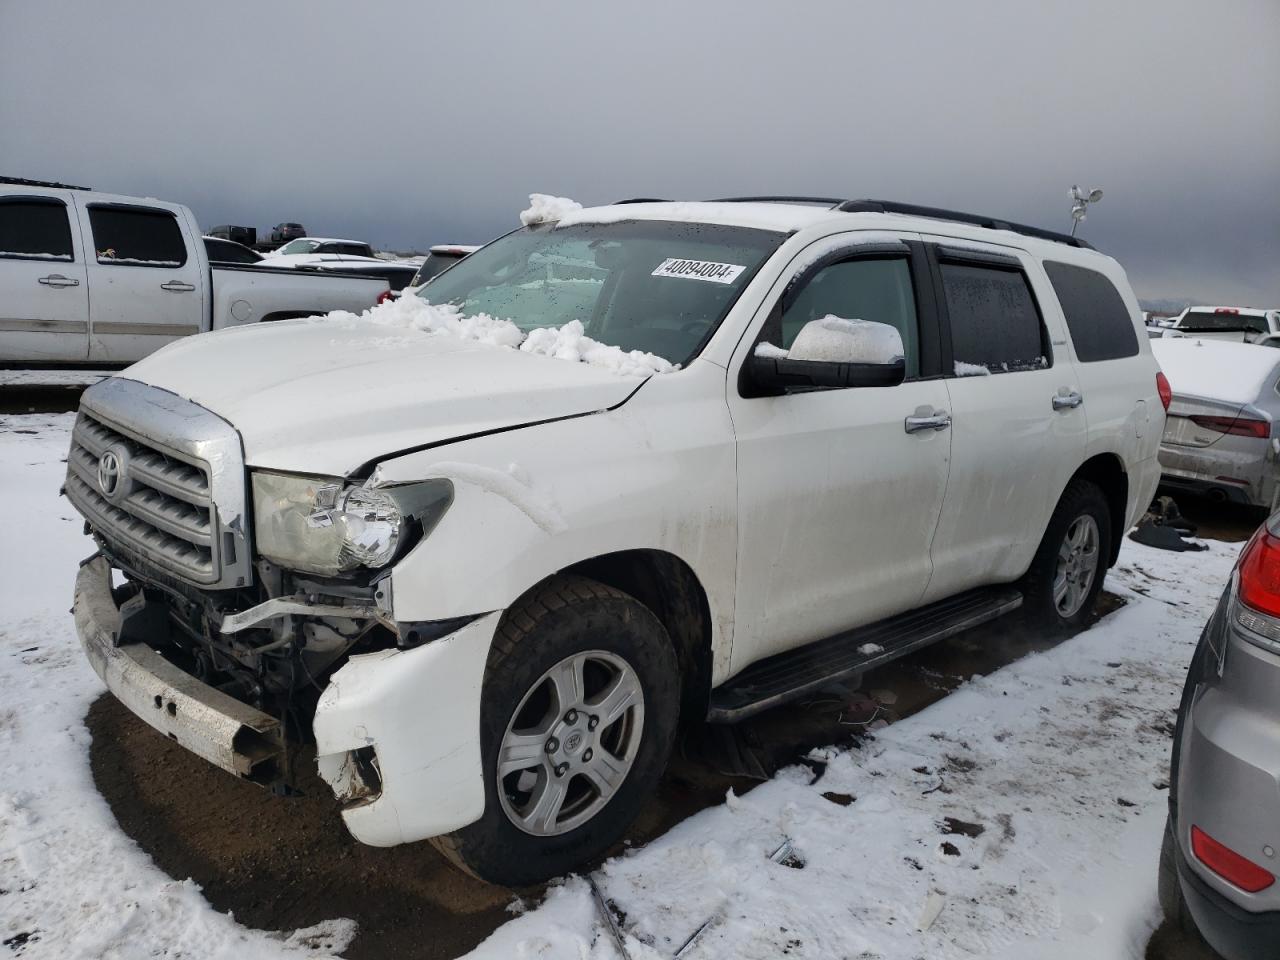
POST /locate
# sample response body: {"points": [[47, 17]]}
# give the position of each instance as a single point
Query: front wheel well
{"points": [[1106, 470], [667, 586]]}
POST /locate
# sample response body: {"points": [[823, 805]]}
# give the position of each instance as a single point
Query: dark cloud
{"points": [[409, 124]]}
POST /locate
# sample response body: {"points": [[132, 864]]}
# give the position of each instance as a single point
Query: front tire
{"points": [[579, 711], [1062, 585]]}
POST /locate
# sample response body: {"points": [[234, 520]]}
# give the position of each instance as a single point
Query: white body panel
{"points": [[44, 303], [1012, 454], [136, 308], [426, 740]]}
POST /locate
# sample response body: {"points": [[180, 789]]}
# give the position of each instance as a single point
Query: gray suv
{"points": [[1219, 862]]}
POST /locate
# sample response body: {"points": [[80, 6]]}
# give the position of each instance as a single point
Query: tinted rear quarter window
{"points": [[33, 228], [994, 321], [1100, 325], [135, 236]]}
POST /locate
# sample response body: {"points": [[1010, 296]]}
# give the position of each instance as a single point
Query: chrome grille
{"points": [[165, 511]]}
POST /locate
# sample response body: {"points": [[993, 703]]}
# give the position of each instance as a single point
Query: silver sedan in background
{"points": [[1221, 437]]}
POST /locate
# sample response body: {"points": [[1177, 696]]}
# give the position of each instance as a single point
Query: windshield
{"points": [[302, 245], [653, 286]]}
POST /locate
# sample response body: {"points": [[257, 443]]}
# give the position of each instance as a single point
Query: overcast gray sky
{"points": [[410, 123]]}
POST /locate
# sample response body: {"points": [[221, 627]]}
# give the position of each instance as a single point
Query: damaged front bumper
{"points": [[229, 734], [397, 731], [398, 737]]}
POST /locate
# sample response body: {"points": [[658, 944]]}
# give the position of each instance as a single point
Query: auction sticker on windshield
{"points": [[699, 270]]}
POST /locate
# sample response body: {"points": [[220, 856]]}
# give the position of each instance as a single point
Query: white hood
{"points": [[314, 397]]}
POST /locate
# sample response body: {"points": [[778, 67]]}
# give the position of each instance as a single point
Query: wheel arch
{"points": [[668, 586], [1107, 471]]}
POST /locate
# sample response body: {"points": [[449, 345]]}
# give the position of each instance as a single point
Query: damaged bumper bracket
{"points": [[229, 734]]}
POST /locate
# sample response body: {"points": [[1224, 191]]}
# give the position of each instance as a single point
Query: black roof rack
{"points": [[618, 203], [915, 210], [20, 182], [832, 202], [978, 220]]}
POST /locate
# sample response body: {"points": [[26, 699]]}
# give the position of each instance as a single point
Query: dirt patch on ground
{"points": [[287, 862]]}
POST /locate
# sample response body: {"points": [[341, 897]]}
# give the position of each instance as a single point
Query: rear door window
{"points": [[34, 228], [995, 323], [1100, 325], [137, 237]]}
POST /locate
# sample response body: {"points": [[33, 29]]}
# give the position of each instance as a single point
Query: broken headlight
{"points": [[327, 527]]}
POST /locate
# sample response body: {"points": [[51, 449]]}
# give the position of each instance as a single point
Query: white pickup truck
{"points": [[100, 278]]}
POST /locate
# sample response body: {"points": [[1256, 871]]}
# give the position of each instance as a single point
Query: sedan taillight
{"points": [[1164, 390], [1237, 426]]}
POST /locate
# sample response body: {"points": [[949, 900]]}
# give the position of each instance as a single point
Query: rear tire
{"points": [[580, 706], [1062, 585]]}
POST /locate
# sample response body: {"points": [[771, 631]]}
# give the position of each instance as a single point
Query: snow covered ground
{"points": [[1020, 816]]}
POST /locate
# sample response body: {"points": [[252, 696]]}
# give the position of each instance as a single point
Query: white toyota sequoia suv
{"points": [[487, 545]]}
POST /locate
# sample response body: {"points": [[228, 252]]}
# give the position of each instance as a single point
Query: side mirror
{"points": [[830, 353]]}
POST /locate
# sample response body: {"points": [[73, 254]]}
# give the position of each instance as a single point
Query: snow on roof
{"points": [[783, 217], [1216, 369], [454, 248]]}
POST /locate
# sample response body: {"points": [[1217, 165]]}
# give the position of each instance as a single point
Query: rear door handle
{"points": [[1067, 401], [935, 421], [177, 286], [58, 280]]}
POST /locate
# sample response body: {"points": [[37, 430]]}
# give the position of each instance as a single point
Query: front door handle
{"points": [[177, 286], [934, 421], [1067, 401], [58, 280]]}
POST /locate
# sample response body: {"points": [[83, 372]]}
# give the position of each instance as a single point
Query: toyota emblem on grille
{"points": [[111, 478]]}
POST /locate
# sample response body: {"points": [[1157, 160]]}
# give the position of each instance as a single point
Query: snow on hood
{"points": [[544, 208], [563, 343], [1216, 369], [326, 395]]}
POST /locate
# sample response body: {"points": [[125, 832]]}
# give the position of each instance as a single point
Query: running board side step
{"points": [[790, 675]]}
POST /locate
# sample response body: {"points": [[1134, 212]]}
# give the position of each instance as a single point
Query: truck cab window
{"points": [[32, 228], [137, 237]]}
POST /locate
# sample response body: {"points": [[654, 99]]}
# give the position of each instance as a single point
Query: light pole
{"points": [[1079, 204]]}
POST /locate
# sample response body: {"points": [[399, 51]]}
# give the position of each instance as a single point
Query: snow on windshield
{"points": [[567, 342], [544, 208]]}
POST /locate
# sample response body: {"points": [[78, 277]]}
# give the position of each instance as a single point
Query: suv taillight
{"points": [[384, 296], [1163, 388], [1260, 574]]}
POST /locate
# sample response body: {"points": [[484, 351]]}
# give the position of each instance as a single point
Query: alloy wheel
{"points": [[570, 743]]}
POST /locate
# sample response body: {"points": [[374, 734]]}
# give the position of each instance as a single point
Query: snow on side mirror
{"points": [[831, 353], [836, 340]]}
